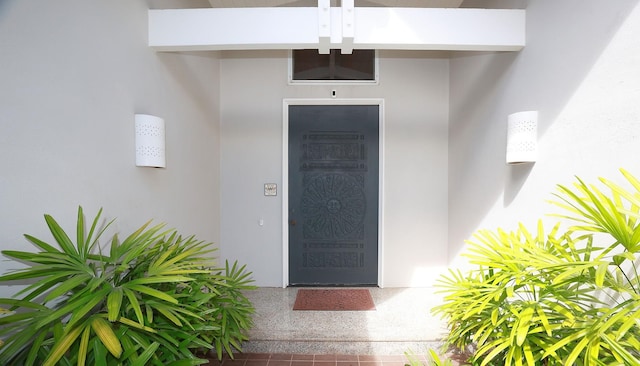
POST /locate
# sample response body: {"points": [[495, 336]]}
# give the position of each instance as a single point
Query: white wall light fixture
{"points": [[522, 137], [150, 141]]}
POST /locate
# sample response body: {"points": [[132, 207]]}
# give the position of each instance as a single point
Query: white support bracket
{"points": [[348, 26], [324, 26]]}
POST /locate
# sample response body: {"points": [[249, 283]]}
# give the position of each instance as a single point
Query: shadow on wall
{"points": [[516, 176], [3, 8], [474, 160], [199, 87], [480, 83], [485, 88]]}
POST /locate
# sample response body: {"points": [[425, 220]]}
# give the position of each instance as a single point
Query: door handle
{"points": [[292, 222]]}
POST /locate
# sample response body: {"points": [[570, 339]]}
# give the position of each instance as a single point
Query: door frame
{"points": [[285, 174]]}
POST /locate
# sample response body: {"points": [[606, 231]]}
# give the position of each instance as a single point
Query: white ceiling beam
{"points": [[310, 3], [233, 29], [373, 28], [248, 3], [418, 3], [440, 29]]}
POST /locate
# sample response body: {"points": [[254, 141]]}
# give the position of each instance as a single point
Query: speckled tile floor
{"points": [[401, 322]]}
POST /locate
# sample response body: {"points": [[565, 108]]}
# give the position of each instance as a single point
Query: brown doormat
{"points": [[334, 300]]}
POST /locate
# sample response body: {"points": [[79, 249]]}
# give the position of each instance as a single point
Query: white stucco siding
{"points": [[68, 97], [579, 70], [72, 76]]}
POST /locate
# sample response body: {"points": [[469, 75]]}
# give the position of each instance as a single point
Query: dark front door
{"points": [[333, 194]]}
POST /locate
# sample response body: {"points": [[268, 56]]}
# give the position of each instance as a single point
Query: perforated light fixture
{"points": [[522, 137], [150, 141]]}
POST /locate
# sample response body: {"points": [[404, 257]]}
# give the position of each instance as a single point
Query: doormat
{"points": [[334, 300]]}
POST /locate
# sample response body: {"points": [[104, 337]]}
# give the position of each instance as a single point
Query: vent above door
{"points": [[310, 66]]}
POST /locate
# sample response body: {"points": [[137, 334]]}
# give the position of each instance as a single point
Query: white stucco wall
{"points": [[415, 92], [579, 69], [72, 75]]}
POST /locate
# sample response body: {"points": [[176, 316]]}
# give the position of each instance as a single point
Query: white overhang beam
{"points": [[373, 28], [440, 29], [233, 29]]}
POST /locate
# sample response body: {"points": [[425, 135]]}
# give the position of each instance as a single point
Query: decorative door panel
{"points": [[333, 195]]}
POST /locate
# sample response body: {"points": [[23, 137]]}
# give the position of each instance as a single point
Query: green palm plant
{"points": [[433, 359], [554, 298], [125, 307]]}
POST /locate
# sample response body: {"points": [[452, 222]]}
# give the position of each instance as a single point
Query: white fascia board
{"points": [[440, 29], [233, 29], [373, 28]]}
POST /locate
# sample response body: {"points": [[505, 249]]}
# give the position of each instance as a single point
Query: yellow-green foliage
{"points": [[553, 297], [153, 299]]}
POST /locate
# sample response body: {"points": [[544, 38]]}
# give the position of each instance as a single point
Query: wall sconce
{"points": [[522, 137], [150, 149]]}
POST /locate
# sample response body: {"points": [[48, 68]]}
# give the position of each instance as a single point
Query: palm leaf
{"points": [[155, 279], [67, 285], [84, 346], [41, 244], [90, 240], [620, 351], [61, 237], [134, 304], [151, 292], [114, 302], [107, 336], [100, 352], [145, 356], [63, 345], [80, 234], [78, 309], [131, 323], [36, 346]]}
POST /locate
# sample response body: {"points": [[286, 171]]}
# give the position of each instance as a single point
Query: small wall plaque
{"points": [[270, 189]]}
